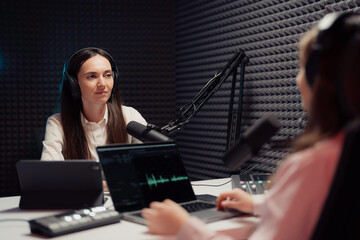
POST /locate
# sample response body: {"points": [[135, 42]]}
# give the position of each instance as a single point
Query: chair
{"points": [[340, 218]]}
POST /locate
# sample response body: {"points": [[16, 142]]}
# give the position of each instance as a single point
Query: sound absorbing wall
{"points": [[36, 39], [207, 34]]}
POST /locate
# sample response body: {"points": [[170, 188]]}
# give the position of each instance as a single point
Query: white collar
{"points": [[105, 118]]}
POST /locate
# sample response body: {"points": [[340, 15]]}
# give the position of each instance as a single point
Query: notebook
{"points": [[69, 184], [138, 174]]}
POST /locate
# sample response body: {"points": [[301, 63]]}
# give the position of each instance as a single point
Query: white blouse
{"points": [[95, 133]]}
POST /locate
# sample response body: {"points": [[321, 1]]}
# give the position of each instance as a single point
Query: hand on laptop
{"points": [[165, 218], [235, 199], [105, 187]]}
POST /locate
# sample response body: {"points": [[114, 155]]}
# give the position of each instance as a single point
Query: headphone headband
{"points": [[326, 26], [72, 81], [331, 31]]}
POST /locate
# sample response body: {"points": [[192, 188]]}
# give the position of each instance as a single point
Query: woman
{"points": [[91, 112], [291, 208]]}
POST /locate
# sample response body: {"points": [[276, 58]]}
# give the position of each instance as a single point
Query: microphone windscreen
{"points": [[135, 129], [261, 131], [144, 133], [251, 141]]}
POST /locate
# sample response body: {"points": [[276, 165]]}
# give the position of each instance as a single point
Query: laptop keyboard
{"points": [[197, 206], [190, 207]]}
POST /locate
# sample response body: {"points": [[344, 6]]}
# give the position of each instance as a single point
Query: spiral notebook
{"points": [[138, 174]]}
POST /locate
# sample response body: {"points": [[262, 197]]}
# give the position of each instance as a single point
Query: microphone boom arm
{"points": [[211, 87]]}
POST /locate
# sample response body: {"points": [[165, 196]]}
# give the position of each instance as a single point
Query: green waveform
{"points": [[152, 181]]}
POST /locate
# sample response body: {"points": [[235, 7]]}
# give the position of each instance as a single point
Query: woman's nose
{"points": [[101, 82]]}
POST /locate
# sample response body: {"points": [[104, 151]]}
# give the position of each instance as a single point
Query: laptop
{"points": [[138, 174], [70, 184]]}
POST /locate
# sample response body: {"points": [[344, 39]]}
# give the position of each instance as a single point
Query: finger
{"points": [[219, 201], [169, 202], [229, 204], [145, 210], [228, 194], [222, 197], [155, 205], [148, 212], [232, 195], [159, 206]]}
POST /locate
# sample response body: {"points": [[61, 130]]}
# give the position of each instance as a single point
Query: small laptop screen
{"points": [[138, 174]]}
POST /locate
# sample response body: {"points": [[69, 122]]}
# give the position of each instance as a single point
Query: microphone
{"points": [[145, 133], [250, 143]]}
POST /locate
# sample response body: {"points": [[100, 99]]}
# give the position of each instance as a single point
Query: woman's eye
{"points": [[108, 75], [91, 76]]}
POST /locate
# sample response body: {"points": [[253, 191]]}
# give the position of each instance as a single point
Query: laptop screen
{"points": [[138, 174]]}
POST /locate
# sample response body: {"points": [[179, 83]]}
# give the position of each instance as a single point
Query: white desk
{"points": [[240, 227]]}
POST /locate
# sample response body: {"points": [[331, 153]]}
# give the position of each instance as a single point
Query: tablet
{"points": [[69, 184]]}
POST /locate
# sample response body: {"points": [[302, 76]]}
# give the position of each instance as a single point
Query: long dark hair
{"points": [[75, 140], [339, 64]]}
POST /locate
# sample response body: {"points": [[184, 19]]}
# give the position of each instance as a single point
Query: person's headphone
{"points": [[72, 82], [330, 29]]}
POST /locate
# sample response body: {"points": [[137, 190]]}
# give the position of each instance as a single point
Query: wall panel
{"points": [[207, 34], [36, 39]]}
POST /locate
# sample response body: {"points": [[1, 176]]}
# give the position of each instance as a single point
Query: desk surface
{"points": [[240, 227]]}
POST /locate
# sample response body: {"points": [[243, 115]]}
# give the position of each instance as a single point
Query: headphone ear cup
{"points": [[328, 29], [349, 64], [72, 85], [312, 66], [115, 77]]}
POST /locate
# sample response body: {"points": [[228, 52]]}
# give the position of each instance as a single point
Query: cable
{"points": [[209, 185], [248, 169]]}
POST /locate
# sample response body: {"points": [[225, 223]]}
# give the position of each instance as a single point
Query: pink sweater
{"points": [[292, 207]]}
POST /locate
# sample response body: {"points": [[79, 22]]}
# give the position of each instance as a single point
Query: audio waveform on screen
{"points": [[152, 181]]}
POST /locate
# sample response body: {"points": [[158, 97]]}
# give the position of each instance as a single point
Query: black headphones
{"points": [[331, 29], [328, 28], [72, 82]]}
